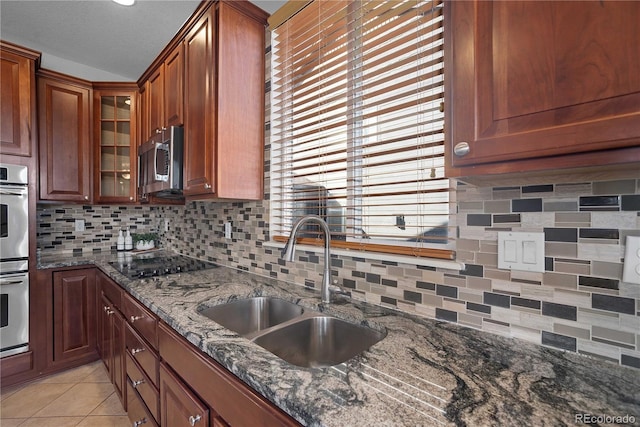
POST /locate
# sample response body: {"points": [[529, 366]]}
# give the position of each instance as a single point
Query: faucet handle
{"points": [[334, 289]]}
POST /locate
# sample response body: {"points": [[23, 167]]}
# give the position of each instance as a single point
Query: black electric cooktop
{"points": [[157, 264]]}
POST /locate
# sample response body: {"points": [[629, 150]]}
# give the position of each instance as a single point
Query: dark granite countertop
{"points": [[423, 373]]}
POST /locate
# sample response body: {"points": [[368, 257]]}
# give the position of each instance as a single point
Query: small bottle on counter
{"points": [[128, 241], [120, 241]]}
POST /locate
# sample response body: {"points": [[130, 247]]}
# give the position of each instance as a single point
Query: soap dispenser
{"points": [[120, 241], [128, 241]]}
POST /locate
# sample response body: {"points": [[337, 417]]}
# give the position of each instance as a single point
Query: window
{"points": [[357, 126]]}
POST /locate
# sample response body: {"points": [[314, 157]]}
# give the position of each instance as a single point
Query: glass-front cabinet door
{"points": [[115, 148]]}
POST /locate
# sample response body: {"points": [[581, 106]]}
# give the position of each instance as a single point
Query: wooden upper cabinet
{"points": [[200, 106], [174, 87], [17, 100], [224, 103], [64, 109], [163, 94], [143, 115], [115, 146], [155, 93], [541, 85]]}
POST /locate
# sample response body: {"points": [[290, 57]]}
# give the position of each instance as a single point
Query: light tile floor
{"points": [[81, 397]]}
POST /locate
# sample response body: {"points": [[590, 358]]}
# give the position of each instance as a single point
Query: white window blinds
{"points": [[357, 127]]}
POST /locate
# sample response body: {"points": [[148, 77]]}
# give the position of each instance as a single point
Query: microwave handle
{"points": [[155, 160]]}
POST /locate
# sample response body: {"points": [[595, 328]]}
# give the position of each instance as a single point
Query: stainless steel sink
{"points": [[302, 338], [319, 341], [251, 315]]}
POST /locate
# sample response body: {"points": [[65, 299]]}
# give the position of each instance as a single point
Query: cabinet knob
{"points": [[139, 423], [106, 308], [135, 351], [135, 384], [193, 420], [131, 198], [207, 186], [158, 131], [86, 197], [134, 318], [461, 149]]}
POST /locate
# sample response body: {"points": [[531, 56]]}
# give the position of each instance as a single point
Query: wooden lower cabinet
{"points": [[137, 411], [111, 334], [228, 399], [74, 317], [180, 407]]}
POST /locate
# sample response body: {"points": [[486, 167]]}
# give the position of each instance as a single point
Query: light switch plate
{"points": [[631, 269], [521, 251]]}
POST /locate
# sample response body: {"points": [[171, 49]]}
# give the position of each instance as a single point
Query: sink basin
{"points": [[251, 315], [319, 341]]}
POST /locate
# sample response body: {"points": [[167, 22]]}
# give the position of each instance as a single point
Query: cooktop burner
{"points": [[154, 264]]}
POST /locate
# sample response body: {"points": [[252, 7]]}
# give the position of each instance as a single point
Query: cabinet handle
{"points": [[134, 318], [135, 384], [140, 422], [193, 420], [135, 351], [461, 149]]}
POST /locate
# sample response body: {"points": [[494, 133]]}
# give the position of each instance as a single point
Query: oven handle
{"points": [[10, 282], [10, 193]]}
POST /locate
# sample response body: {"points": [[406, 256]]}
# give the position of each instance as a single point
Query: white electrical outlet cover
{"points": [[79, 224], [521, 251], [631, 270]]}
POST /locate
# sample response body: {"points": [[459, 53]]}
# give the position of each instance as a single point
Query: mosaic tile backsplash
{"points": [[578, 304]]}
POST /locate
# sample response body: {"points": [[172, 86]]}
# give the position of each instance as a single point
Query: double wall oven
{"points": [[14, 260]]}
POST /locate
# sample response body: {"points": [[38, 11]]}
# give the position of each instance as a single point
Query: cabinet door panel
{"points": [[17, 103], [155, 95], [539, 79], [240, 141], [174, 86], [65, 141], [115, 153], [180, 407], [118, 355], [199, 114], [105, 338], [74, 314]]}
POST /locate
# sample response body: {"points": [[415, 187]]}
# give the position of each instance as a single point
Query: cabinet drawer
{"points": [[140, 351], [145, 388], [137, 411], [145, 322], [111, 290]]}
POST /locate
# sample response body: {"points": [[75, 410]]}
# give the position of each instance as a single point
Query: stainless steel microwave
{"points": [[160, 162]]}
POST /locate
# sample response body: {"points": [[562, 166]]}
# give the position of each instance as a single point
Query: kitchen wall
{"points": [[56, 226], [578, 304]]}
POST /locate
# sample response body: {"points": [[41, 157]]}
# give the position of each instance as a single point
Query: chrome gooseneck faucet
{"points": [[290, 247]]}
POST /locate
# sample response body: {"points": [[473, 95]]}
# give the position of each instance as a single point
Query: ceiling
{"points": [[98, 40]]}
